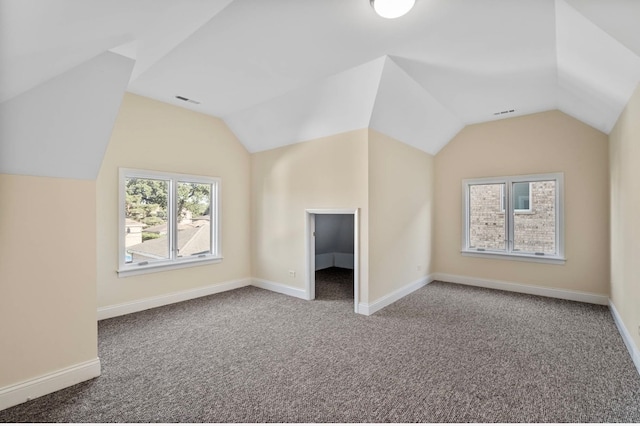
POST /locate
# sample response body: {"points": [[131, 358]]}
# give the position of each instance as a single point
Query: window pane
{"points": [[535, 231], [521, 196], [194, 218], [486, 217], [146, 236]]}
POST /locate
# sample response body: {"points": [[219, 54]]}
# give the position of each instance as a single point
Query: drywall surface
{"points": [[326, 173], [539, 143], [401, 191], [61, 127], [624, 142], [47, 271], [151, 135], [334, 233]]}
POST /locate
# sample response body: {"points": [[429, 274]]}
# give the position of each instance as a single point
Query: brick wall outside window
{"points": [[534, 231], [486, 218]]}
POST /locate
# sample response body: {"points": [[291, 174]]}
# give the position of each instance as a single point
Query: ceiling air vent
{"points": [[191, 101], [506, 111]]}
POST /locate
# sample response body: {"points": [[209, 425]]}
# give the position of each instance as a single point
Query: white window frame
{"points": [[530, 209], [174, 262], [510, 212], [518, 211]]}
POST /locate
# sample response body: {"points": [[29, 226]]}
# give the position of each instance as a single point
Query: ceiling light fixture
{"points": [[391, 9]]}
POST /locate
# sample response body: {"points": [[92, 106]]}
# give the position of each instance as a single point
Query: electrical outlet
{"points": [[292, 273]]}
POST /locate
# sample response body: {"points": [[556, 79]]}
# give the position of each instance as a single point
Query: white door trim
{"points": [[311, 251]]}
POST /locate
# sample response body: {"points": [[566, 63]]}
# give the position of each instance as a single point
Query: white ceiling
{"points": [[283, 71]]}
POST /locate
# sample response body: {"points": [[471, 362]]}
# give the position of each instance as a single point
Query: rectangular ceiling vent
{"points": [[506, 111], [191, 101]]}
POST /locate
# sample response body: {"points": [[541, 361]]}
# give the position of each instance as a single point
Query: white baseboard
{"points": [[626, 336], [576, 296], [370, 308], [279, 288], [339, 260], [343, 260], [48, 383], [324, 261], [167, 299]]}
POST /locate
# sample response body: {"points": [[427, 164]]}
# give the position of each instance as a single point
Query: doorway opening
{"points": [[333, 253]]}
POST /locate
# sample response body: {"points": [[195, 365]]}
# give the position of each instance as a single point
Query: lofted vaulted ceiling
{"points": [[282, 71]]}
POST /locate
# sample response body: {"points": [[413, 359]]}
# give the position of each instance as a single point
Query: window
{"points": [[515, 216], [521, 197], [167, 221], [521, 191]]}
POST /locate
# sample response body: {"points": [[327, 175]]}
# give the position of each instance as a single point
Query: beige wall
{"points": [[538, 143], [48, 275], [624, 142], [401, 189], [326, 173], [152, 135]]}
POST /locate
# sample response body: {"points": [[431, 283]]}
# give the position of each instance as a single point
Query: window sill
{"points": [[129, 271], [518, 257]]}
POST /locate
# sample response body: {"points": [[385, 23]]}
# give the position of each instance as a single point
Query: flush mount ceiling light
{"points": [[392, 8]]}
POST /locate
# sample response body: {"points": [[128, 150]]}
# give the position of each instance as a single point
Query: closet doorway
{"points": [[332, 242]]}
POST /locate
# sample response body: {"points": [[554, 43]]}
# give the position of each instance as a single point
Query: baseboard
{"points": [[167, 299], [626, 336], [343, 260], [279, 288], [324, 261], [48, 383], [339, 260], [370, 308], [576, 296]]}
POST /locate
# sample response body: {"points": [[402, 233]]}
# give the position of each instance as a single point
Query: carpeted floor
{"points": [[335, 284], [445, 353]]}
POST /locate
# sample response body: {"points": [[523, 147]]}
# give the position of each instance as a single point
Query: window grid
{"points": [[194, 229], [523, 236]]}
